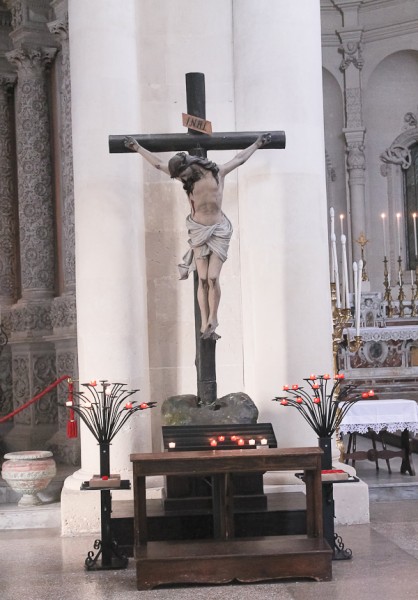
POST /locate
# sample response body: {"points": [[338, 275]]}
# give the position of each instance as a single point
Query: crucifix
{"points": [[197, 142]]}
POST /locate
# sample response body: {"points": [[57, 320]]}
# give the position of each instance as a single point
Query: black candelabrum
{"points": [[105, 408]]}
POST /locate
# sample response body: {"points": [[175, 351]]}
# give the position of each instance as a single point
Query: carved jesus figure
{"points": [[209, 228]]}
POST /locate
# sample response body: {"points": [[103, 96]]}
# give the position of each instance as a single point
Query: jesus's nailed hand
{"points": [[264, 139], [130, 143]]}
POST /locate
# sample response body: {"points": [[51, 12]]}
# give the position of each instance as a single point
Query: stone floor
{"points": [[38, 564]]}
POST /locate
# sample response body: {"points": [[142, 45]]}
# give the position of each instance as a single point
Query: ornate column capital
{"points": [[352, 55], [397, 155], [31, 61], [356, 158], [59, 28]]}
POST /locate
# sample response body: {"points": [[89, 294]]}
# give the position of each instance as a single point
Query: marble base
{"points": [[25, 517]]}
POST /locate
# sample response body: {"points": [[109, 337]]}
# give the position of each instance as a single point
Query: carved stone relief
{"points": [[36, 218], [44, 373], [8, 224], [353, 108], [21, 387], [352, 55]]}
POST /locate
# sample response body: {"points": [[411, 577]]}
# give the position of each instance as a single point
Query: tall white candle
{"points": [[398, 225], [360, 278], [332, 227], [412, 277], [414, 216], [356, 306], [384, 232], [342, 224], [335, 262], [345, 272]]}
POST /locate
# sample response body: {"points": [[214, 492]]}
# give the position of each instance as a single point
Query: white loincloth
{"points": [[205, 239]]}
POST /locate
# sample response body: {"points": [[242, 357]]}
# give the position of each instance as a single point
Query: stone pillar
{"points": [[351, 65], [36, 214], [109, 222], [8, 236], [33, 358], [282, 197], [63, 310]]}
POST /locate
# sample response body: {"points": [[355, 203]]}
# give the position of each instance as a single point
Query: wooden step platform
{"points": [[285, 514], [216, 562]]}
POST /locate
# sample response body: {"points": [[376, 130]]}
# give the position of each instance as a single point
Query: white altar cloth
{"points": [[391, 415]]}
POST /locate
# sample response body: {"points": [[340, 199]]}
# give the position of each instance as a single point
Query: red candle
{"points": [[365, 395], [327, 376], [144, 405], [284, 402], [285, 388], [312, 376], [241, 442], [105, 477], [128, 405], [213, 443], [295, 386], [371, 393], [315, 386], [299, 400], [221, 438], [234, 438], [93, 382], [317, 400]]}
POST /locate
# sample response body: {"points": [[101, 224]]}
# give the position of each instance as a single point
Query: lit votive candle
{"points": [[213, 443], [171, 444], [68, 403], [263, 442], [241, 442], [251, 442], [128, 405], [221, 438]]}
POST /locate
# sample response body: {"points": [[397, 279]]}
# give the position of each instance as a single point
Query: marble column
{"points": [[36, 214], [8, 236], [351, 65], [109, 224], [33, 358]]}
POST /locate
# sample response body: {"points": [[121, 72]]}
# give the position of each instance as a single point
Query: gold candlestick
{"points": [[388, 292], [362, 241], [401, 295]]}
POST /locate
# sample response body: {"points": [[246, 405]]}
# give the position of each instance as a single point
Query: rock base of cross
{"points": [[185, 409]]}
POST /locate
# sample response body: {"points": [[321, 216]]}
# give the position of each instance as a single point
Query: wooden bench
{"points": [[224, 558]]}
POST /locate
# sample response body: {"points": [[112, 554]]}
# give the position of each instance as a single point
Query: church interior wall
{"points": [[335, 146], [384, 110]]}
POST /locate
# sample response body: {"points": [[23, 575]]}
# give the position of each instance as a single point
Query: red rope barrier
{"points": [[37, 397]]}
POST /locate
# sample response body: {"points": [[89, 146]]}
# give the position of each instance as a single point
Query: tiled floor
{"points": [[38, 564]]}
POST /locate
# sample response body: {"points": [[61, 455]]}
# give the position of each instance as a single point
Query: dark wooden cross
{"points": [[197, 144]]}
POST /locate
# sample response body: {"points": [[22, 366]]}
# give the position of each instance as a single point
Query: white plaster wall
{"points": [[384, 110], [109, 222], [282, 201]]}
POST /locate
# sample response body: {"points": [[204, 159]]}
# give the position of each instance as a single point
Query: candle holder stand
{"points": [[388, 292], [105, 411], [401, 294]]}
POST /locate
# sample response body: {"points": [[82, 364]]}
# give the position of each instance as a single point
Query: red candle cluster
{"points": [[368, 394], [237, 440]]}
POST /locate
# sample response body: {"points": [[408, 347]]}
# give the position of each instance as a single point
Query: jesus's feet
{"points": [[209, 332]]}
